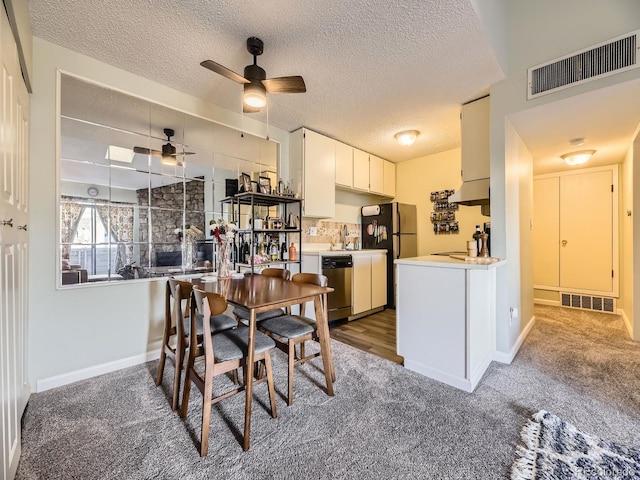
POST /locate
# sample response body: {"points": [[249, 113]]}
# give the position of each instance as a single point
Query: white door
{"points": [[14, 128], [546, 232], [586, 225]]}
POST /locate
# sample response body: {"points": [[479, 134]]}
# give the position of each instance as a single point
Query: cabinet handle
{"points": [[22, 227], [8, 222], [564, 243]]}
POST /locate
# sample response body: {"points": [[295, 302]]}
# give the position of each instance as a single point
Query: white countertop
{"points": [[441, 261], [343, 252]]}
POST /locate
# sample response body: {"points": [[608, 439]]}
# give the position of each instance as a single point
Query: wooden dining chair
{"points": [[176, 324], [242, 313], [223, 352], [291, 330]]}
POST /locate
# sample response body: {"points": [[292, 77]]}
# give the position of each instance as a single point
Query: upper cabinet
{"points": [[360, 170], [376, 174], [475, 140], [389, 186], [314, 156], [373, 174], [344, 164]]}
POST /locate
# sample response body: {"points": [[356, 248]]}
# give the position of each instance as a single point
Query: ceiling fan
{"points": [[169, 153], [256, 83]]}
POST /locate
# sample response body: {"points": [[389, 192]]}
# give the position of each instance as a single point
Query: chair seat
{"points": [[233, 344], [288, 326], [218, 324], [243, 314]]}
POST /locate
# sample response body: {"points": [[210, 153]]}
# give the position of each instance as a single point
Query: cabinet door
{"points": [[378, 280], [546, 232], [376, 174], [475, 140], [344, 165], [586, 226], [361, 284], [319, 175], [360, 170], [389, 179]]}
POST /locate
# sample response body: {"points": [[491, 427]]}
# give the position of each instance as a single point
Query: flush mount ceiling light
{"points": [[407, 137], [577, 158], [255, 95]]}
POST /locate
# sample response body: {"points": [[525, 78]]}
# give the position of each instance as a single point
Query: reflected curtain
{"points": [[70, 214], [118, 220]]}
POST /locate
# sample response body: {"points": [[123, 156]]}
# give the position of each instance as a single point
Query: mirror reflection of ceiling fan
{"points": [[255, 81], [169, 152]]}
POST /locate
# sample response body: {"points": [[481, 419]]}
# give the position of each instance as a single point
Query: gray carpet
{"points": [[384, 421]]}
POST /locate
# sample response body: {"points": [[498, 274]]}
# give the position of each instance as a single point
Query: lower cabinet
{"points": [[369, 286]]}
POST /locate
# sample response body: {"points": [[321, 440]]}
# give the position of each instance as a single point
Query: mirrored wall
{"points": [[139, 184]]}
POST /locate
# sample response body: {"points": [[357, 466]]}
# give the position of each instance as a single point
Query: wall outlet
{"points": [[513, 314], [313, 231]]}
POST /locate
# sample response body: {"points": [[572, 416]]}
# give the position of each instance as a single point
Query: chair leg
{"points": [[302, 355], [186, 390], [163, 357], [177, 377], [272, 390], [292, 357], [206, 420]]}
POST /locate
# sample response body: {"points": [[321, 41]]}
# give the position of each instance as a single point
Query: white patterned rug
{"points": [[555, 449]]}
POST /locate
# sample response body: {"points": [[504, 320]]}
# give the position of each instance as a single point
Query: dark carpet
{"points": [[383, 422]]}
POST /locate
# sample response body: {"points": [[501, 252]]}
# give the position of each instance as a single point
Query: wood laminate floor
{"points": [[375, 334]]}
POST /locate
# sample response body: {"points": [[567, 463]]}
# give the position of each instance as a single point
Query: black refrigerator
{"points": [[392, 227]]}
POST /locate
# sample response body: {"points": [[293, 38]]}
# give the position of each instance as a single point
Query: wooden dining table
{"points": [[260, 293]]}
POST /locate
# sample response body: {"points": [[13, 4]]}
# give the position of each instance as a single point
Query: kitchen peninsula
{"points": [[446, 317]]}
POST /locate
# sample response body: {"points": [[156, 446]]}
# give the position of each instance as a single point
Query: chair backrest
{"points": [[180, 291], [282, 273], [205, 305], [313, 279]]}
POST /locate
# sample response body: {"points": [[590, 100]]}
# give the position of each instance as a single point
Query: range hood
{"points": [[472, 192]]}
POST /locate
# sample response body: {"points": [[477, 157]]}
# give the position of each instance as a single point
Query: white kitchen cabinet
{"points": [[369, 286], [360, 170], [344, 165], [389, 185], [475, 149], [376, 174], [312, 156]]}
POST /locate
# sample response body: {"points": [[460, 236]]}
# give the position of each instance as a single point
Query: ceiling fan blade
{"points": [[293, 84], [146, 151], [180, 154], [247, 109], [224, 71]]}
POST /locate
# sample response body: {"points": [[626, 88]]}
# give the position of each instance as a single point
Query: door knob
{"points": [[564, 243]]}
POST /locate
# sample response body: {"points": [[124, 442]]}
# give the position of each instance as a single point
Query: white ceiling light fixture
{"points": [[577, 158], [255, 95], [407, 137]]}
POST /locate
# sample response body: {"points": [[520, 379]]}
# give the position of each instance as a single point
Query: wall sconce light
{"points": [[407, 137], [577, 158]]}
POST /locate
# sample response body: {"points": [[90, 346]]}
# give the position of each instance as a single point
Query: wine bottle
{"points": [[284, 253], [478, 239]]}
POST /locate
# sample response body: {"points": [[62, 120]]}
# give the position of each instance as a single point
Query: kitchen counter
{"points": [[326, 253], [446, 317]]}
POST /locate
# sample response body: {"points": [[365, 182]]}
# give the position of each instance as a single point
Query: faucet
{"points": [[345, 234]]}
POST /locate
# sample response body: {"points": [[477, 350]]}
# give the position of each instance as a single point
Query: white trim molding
{"points": [[627, 322], [504, 357]]}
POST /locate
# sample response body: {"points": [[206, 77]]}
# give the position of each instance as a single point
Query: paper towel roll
{"points": [[370, 210]]}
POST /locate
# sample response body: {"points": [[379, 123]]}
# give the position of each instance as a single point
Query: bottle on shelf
{"points": [[273, 251], [293, 254], [477, 237], [284, 253]]}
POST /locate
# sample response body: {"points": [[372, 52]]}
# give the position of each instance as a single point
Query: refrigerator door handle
{"points": [[399, 246]]}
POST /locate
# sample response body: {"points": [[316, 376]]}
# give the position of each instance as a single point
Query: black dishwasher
{"points": [[337, 269]]}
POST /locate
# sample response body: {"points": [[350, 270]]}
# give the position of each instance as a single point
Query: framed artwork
{"points": [[265, 185], [245, 182]]}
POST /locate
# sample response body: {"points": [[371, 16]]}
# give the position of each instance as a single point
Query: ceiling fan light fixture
{"points": [[577, 158], [254, 95], [407, 137]]}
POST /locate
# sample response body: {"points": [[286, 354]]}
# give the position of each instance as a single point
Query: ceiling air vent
{"points": [[608, 58]]}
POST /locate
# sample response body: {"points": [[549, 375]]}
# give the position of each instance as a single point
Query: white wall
{"points": [[89, 326], [539, 31], [625, 302]]}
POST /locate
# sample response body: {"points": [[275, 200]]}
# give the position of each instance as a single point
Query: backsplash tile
{"points": [[328, 231]]}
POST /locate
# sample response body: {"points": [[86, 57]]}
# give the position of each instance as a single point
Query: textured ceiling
{"points": [[371, 68]]}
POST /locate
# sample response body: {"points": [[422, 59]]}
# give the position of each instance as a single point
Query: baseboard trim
{"points": [[627, 322], [94, 371], [551, 303], [439, 375], [504, 357]]}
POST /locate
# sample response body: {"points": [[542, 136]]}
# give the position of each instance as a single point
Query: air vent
{"points": [[608, 58], [587, 302]]}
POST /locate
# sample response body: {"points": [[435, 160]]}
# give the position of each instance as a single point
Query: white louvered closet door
{"points": [[14, 139]]}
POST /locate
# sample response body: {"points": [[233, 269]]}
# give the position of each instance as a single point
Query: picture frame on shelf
{"points": [[265, 185], [245, 182]]}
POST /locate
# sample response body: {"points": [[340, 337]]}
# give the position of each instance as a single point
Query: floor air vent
{"points": [[608, 58], [587, 302]]}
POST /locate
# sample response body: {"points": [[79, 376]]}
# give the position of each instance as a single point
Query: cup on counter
{"points": [[472, 248]]}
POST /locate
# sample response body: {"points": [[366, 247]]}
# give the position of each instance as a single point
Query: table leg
{"points": [[248, 380], [325, 346]]}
